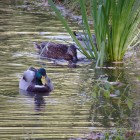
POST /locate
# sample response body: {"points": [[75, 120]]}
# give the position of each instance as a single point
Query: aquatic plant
{"points": [[88, 53], [113, 111], [115, 22], [112, 94]]}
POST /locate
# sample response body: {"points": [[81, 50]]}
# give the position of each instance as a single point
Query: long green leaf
{"points": [[115, 22], [68, 28], [86, 25]]}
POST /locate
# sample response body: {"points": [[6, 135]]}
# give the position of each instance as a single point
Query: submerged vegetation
{"points": [[112, 109], [115, 25]]}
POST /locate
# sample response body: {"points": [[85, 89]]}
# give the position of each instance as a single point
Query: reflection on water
{"points": [[66, 112], [39, 100]]}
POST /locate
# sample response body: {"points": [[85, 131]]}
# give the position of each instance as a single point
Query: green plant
{"points": [[115, 22], [111, 102], [119, 134], [88, 53]]}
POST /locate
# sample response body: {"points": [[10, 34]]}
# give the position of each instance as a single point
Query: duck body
{"points": [[31, 81], [57, 51]]}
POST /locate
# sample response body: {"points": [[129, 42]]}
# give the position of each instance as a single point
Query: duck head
{"points": [[39, 47], [72, 50], [41, 77]]}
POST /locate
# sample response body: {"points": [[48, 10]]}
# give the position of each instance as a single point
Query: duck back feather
{"points": [[26, 80]]}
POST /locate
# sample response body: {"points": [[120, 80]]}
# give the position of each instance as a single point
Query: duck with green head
{"points": [[36, 80]]}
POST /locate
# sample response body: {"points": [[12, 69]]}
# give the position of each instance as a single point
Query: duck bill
{"points": [[43, 80]]}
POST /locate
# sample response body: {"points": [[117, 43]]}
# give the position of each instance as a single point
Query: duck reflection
{"points": [[39, 100]]}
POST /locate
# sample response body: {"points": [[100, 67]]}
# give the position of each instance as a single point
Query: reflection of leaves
{"points": [[94, 94], [129, 104], [117, 92], [106, 93], [107, 85], [95, 88], [116, 108], [119, 103]]}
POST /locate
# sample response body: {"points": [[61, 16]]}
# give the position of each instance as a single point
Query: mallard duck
{"points": [[84, 39], [57, 51], [36, 80]]}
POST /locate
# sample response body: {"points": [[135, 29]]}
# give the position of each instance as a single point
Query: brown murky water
{"points": [[66, 112]]}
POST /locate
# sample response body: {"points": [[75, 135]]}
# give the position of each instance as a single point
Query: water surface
{"points": [[67, 111]]}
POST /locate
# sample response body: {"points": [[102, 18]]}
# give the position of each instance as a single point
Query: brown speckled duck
{"points": [[58, 51], [84, 38]]}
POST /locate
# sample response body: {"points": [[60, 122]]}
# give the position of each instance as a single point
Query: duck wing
{"points": [[56, 51], [52, 47]]}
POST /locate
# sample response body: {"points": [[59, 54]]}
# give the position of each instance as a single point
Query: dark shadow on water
{"points": [[39, 100]]}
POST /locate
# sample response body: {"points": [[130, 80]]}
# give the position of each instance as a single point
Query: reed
{"points": [[115, 24]]}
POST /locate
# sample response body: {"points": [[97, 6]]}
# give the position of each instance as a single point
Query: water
{"points": [[67, 111]]}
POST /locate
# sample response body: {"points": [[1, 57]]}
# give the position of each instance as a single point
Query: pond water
{"points": [[68, 111]]}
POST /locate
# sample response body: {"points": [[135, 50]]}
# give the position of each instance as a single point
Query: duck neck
{"points": [[38, 79]]}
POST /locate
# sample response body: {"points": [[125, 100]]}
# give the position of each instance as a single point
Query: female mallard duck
{"points": [[84, 38], [57, 51], [34, 80]]}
